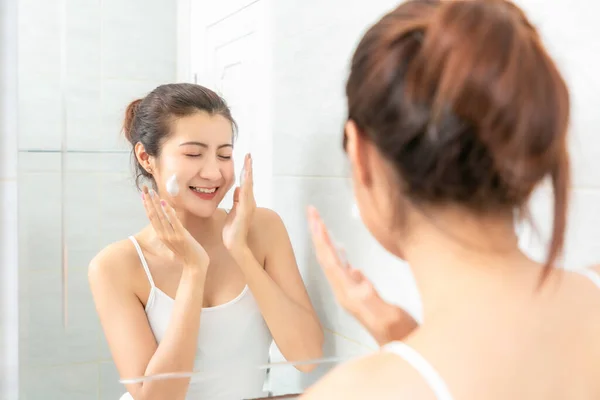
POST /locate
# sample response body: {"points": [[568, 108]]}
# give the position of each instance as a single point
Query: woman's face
{"points": [[199, 152]]}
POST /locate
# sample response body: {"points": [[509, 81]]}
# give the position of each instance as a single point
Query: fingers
{"points": [[248, 172], [155, 212], [172, 217], [247, 185], [327, 255], [236, 195]]}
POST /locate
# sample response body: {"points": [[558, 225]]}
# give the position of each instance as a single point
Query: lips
{"points": [[204, 193], [205, 190]]}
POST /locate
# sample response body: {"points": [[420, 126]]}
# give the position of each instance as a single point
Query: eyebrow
{"points": [[204, 145]]}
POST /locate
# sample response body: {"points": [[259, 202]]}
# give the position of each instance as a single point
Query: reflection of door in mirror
{"points": [[229, 54]]}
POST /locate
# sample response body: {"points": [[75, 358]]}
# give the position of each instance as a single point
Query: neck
{"points": [[472, 258], [198, 227], [201, 228]]}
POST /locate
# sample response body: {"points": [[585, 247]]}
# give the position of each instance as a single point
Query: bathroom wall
{"points": [[313, 42], [9, 340], [80, 63]]}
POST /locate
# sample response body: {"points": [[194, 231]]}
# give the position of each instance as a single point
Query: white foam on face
{"points": [[173, 186]]}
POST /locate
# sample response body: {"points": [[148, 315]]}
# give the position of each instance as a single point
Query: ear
{"points": [[357, 148], [144, 159]]}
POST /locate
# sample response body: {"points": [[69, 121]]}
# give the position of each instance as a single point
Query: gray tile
{"points": [[67, 382], [110, 388], [44, 341], [121, 208], [116, 96], [581, 245], [139, 45], [39, 214]]}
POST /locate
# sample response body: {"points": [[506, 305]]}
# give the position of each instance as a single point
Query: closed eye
{"points": [[193, 155], [225, 157]]}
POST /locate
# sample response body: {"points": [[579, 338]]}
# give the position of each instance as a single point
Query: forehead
{"points": [[203, 127]]}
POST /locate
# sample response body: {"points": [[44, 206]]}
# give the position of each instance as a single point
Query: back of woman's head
{"points": [[465, 103]]}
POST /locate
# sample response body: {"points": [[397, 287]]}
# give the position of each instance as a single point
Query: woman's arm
{"points": [[123, 319], [131, 341], [280, 292]]}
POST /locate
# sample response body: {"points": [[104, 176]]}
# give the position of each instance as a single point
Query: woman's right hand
{"points": [[171, 232], [385, 322]]}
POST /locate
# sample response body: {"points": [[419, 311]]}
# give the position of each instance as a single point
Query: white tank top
{"points": [[233, 341], [428, 372]]}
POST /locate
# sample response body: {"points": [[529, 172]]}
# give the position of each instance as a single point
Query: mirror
{"points": [[281, 67], [82, 63]]}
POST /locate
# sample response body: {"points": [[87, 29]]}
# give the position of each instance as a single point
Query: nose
{"points": [[210, 170]]}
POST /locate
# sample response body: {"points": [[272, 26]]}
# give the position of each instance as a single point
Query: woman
{"points": [[199, 288], [456, 114]]}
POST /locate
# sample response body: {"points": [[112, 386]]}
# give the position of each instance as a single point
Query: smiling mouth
{"points": [[204, 190]]}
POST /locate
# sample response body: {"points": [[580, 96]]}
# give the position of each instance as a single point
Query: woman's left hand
{"points": [[237, 224]]}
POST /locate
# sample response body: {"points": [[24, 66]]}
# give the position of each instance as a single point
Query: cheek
{"points": [[228, 171]]}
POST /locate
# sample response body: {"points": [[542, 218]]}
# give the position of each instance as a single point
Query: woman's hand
{"points": [[171, 232], [384, 321], [237, 224]]}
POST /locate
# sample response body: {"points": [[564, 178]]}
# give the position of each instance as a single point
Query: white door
{"points": [[230, 54]]}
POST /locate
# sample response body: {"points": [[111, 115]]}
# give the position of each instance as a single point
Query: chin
{"points": [[202, 208]]}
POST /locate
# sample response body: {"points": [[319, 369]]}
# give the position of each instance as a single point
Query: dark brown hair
{"points": [[149, 120], [464, 101]]}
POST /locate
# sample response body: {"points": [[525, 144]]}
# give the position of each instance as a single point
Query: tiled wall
{"points": [[313, 42], [114, 51], [9, 339]]}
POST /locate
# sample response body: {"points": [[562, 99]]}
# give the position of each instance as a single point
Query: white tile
{"points": [[9, 276], [39, 39], [39, 162], [83, 39], [311, 56], [582, 248], [40, 112], [68, 382], [44, 338], [82, 218], [116, 96], [121, 210], [110, 388], [84, 127], [39, 214], [41, 312], [109, 162], [139, 45]]}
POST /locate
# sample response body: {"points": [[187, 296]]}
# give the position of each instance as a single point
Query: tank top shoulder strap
{"points": [[143, 260], [591, 275], [422, 366]]}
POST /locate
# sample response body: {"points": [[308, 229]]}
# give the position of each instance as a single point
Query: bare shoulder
{"points": [[115, 263], [267, 224], [265, 217], [381, 376], [596, 268]]}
